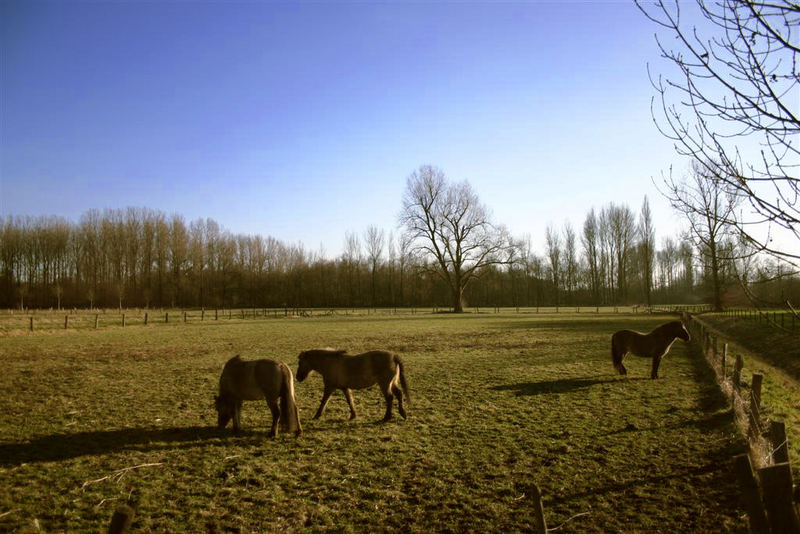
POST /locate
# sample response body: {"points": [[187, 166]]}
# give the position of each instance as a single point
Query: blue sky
{"points": [[302, 121]]}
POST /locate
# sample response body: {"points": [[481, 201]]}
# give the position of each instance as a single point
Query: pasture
{"points": [[91, 419]]}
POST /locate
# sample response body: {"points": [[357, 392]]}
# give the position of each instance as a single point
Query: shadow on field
{"points": [[562, 385], [56, 447], [710, 422]]}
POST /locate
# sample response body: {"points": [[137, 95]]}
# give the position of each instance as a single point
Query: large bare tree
{"points": [[451, 229], [703, 199], [731, 104]]}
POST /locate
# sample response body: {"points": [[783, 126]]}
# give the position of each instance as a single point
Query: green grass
{"points": [[498, 403]]}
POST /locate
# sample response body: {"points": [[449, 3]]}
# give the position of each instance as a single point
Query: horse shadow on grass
{"points": [[561, 385], [65, 446]]}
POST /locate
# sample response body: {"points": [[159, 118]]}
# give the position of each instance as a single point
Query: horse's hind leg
{"points": [[617, 353], [348, 394], [388, 396], [398, 393], [275, 409]]}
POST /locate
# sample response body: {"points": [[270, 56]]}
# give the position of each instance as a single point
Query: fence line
{"points": [[765, 472], [787, 320], [49, 320]]}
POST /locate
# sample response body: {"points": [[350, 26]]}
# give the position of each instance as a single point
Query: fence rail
{"points": [[764, 473]]}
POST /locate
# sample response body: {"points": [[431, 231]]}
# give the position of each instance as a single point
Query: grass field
{"points": [[95, 418]]}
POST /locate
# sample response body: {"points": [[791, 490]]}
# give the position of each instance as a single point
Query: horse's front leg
{"points": [[348, 394], [237, 416], [275, 409], [654, 368], [325, 396]]}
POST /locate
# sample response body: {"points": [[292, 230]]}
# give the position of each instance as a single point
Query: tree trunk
{"points": [[458, 298]]}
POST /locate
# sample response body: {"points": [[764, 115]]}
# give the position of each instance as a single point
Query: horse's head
{"points": [[303, 367], [224, 410]]}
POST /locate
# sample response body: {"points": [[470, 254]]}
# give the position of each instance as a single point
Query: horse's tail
{"points": [[290, 414], [617, 352], [403, 383]]}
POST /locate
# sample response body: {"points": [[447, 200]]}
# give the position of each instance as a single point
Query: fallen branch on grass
{"points": [[117, 475], [567, 521]]}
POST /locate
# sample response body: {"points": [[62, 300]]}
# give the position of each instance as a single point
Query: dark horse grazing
{"points": [[340, 370], [654, 345], [257, 380]]}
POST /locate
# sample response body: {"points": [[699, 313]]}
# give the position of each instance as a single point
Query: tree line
{"points": [[139, 257]]}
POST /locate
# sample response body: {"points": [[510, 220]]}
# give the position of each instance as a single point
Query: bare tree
{"points": [[374, 239], [451, 228], [570, 260], [647, 249], [705, 202], [738, 79], [553, 244], [352, 261], [590, 239]]}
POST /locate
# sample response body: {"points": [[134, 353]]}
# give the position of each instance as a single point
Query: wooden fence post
{"points": [[66, 322], [776, 486], [756, 387], [184, 317], [123, 319], [541, 523], [752, 497], [780, 445], [166, 317], [145, 318], [31, 324], [724, 358], [737, 371], [122, 520]]}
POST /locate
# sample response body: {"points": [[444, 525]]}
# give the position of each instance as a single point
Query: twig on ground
{"points": [[567, 521], [118, 474]]}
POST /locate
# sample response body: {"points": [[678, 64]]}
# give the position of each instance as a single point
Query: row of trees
{"points": [[144, 258]]}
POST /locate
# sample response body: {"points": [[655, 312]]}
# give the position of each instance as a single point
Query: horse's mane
{"points": [[670, 328], [328, 351]]}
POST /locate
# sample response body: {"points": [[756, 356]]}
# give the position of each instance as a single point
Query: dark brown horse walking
{"points": [[340, 370], [654, 345], [265, 379]]}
